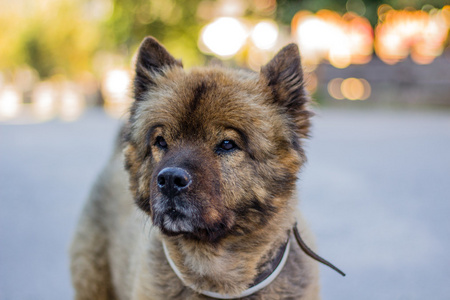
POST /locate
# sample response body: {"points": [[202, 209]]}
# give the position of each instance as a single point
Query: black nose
{"points": [[172, 181]]}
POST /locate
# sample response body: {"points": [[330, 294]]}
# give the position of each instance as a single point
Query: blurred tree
{"points": [[63, 36], [173, 22], [52, 37], [68, 36], [286, 9]]}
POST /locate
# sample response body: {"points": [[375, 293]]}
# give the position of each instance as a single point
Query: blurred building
{"points": [[69, 55], [404, 83]]}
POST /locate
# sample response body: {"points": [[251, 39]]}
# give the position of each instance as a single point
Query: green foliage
{"points": [[52, 39], [173, 22], [66, 36], [287, 8]]}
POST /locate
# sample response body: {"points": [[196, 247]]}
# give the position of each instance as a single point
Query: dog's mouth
{"points": [[175, 218], [182, 204], [173, 222]]}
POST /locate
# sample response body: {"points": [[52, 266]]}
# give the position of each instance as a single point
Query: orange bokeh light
{"points": [[349, 88], [419, 33], [342, 40]]}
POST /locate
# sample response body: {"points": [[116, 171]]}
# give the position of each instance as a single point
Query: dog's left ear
{"points": [[285, 77], [152, 60]]}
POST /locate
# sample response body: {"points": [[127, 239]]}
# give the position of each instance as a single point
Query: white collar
{"points": [[245, 293]]}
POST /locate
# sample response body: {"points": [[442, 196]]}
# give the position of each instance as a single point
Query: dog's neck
{"points": [[231, 266]]}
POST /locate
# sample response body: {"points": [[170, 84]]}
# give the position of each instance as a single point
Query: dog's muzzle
{"points": [[185, 199], [173, 212], [173, 181]]}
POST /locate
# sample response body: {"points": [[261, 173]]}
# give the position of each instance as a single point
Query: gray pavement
{"points": [[376, 192]]}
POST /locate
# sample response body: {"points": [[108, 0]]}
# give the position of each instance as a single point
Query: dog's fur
{"points": [[238, 205]]}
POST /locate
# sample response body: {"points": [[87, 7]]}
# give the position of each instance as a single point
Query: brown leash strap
{"points": [[311, 253]]}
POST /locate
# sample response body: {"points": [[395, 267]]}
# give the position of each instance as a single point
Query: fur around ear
{"points": [[151, 60], [285, 77]]}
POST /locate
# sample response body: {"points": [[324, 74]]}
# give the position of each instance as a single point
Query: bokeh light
{"points": [[224, 36], [264, 35], [419, 33], [44, 101], [10, 102], [116, 92], [352, 88], [349, 88], [342, 40], [334, 88], [367, 91]]}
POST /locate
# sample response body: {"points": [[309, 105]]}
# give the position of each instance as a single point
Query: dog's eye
{"points": [[226, 146], [161, 142]]}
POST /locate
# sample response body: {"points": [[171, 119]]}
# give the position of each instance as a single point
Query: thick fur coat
{"points": [[207, 163]]}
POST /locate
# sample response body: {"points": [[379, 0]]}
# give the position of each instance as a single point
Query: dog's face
{"points": [[214, 152]]}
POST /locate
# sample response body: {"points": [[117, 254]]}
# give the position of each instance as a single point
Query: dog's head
{"points": [[214, 152]]}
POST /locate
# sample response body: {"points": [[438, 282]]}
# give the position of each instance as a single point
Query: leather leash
{"points": [[311, 253]]}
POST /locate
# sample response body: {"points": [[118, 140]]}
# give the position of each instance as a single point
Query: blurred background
{"points": [[376, 188]]}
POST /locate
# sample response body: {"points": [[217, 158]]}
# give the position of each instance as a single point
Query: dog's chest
{"points": [[161, 283]]}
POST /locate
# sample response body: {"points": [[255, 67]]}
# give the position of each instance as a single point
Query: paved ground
{"points": [[376, 191]]}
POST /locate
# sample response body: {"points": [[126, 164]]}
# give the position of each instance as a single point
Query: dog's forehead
{"points": [[205, 98], [206, 92]]}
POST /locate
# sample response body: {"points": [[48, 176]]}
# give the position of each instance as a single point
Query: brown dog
{"points": [[211, 159]]}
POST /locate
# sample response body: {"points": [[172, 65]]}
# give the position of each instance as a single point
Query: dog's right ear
{"points": [[152, 60], [284, 75]]}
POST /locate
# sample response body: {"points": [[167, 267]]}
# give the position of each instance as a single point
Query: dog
{"points": [[199, 198]]}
